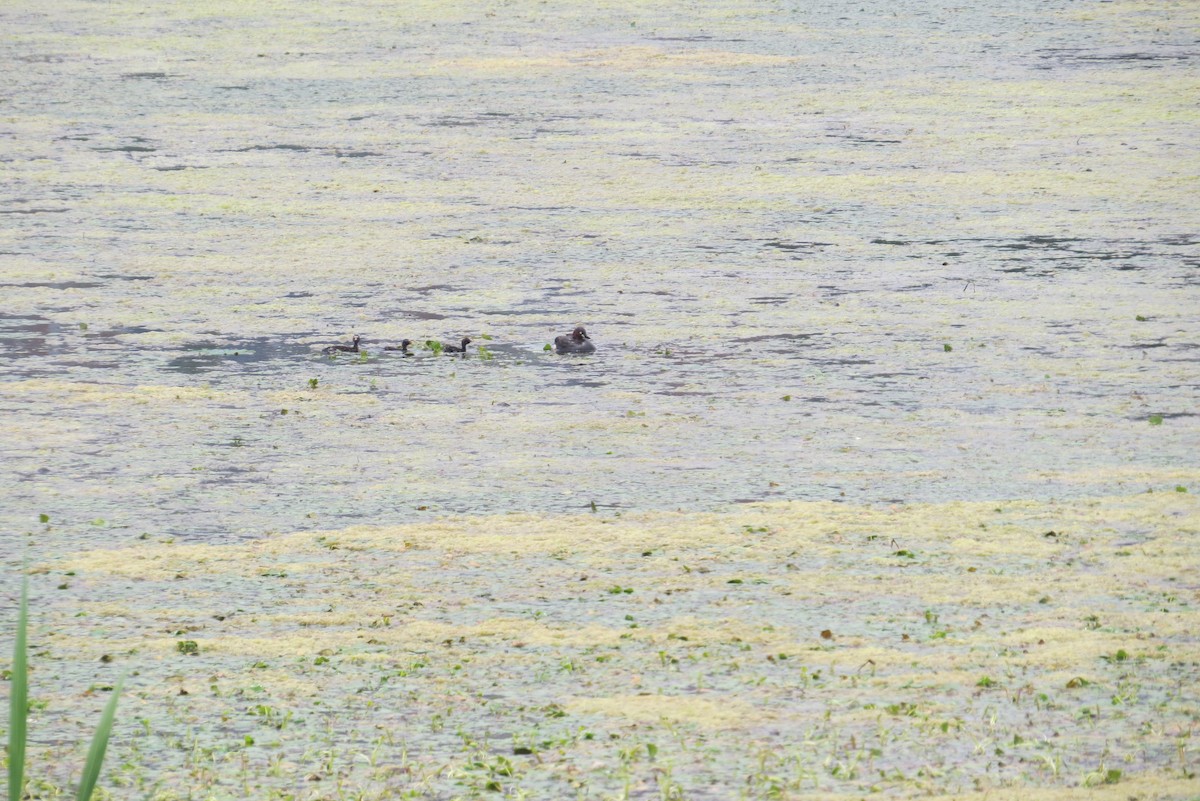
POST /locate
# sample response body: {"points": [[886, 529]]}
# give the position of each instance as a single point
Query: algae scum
{"points": [[882, 479]]}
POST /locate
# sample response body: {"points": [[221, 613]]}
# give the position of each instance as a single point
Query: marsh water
{"points": [[773, 221], [870, 253], [880, 252]]}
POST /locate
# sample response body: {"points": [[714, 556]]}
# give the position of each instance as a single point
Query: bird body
{"points": [[577, 342], [403, 347], [343, 348], [457, 348]]}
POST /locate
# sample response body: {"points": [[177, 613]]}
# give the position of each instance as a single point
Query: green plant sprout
{"points": [[19, 714]]}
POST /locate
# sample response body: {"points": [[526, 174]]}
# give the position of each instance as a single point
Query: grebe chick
{"points": [[343, 348]]}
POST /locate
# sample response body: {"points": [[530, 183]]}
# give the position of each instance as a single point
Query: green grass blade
{"points": [[95, 758], [18, 702]]}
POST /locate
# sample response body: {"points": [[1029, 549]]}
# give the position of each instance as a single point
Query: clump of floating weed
{"points": [[19, 714]]}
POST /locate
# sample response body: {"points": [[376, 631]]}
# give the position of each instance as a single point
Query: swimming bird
{"points": [[343, 348], [457, 348], [403, 347], [577, 342]]}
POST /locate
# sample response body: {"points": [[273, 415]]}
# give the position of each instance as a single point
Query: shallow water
{"points": [[742, 207], [865, 253]]}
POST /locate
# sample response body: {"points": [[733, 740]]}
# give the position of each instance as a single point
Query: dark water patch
{"points": [[224, 475], [771, 300], [126, 149], [804, 338], [1056, 254], [179, 167], [1164, 416], [355, 154], [293, 148], [239, 89], [25, 336], [425, 290], [33, 211], [144, 76], [541, 131], [1034, 242], [1180, 240], [86, 364], [454, 122], [835, 291], [518, 312], [119, 277], [864, 140], [110, 333], [1079, 56], [417, 314], [844, 362], [794, 246], [40, 58], [890, 242], [699, 37], [202, 357], [56, 285]]}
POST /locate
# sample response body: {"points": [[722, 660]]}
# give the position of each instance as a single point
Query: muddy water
{"points": [[863, 253]]}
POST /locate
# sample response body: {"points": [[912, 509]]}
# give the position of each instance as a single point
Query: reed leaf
{"points": [[18, 702], [95, 758]]}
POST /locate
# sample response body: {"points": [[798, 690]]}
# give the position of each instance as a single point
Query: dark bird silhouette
{"points": [[577, 342], [343, 348]]}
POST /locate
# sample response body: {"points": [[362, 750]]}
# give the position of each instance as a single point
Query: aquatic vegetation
{"points": [[19, 713]]}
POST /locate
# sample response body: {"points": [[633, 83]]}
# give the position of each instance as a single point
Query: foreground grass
{"points": [[19, 712], [780, 651]]}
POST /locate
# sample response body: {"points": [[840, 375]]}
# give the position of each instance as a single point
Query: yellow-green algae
{"points": [[927, 648]]}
